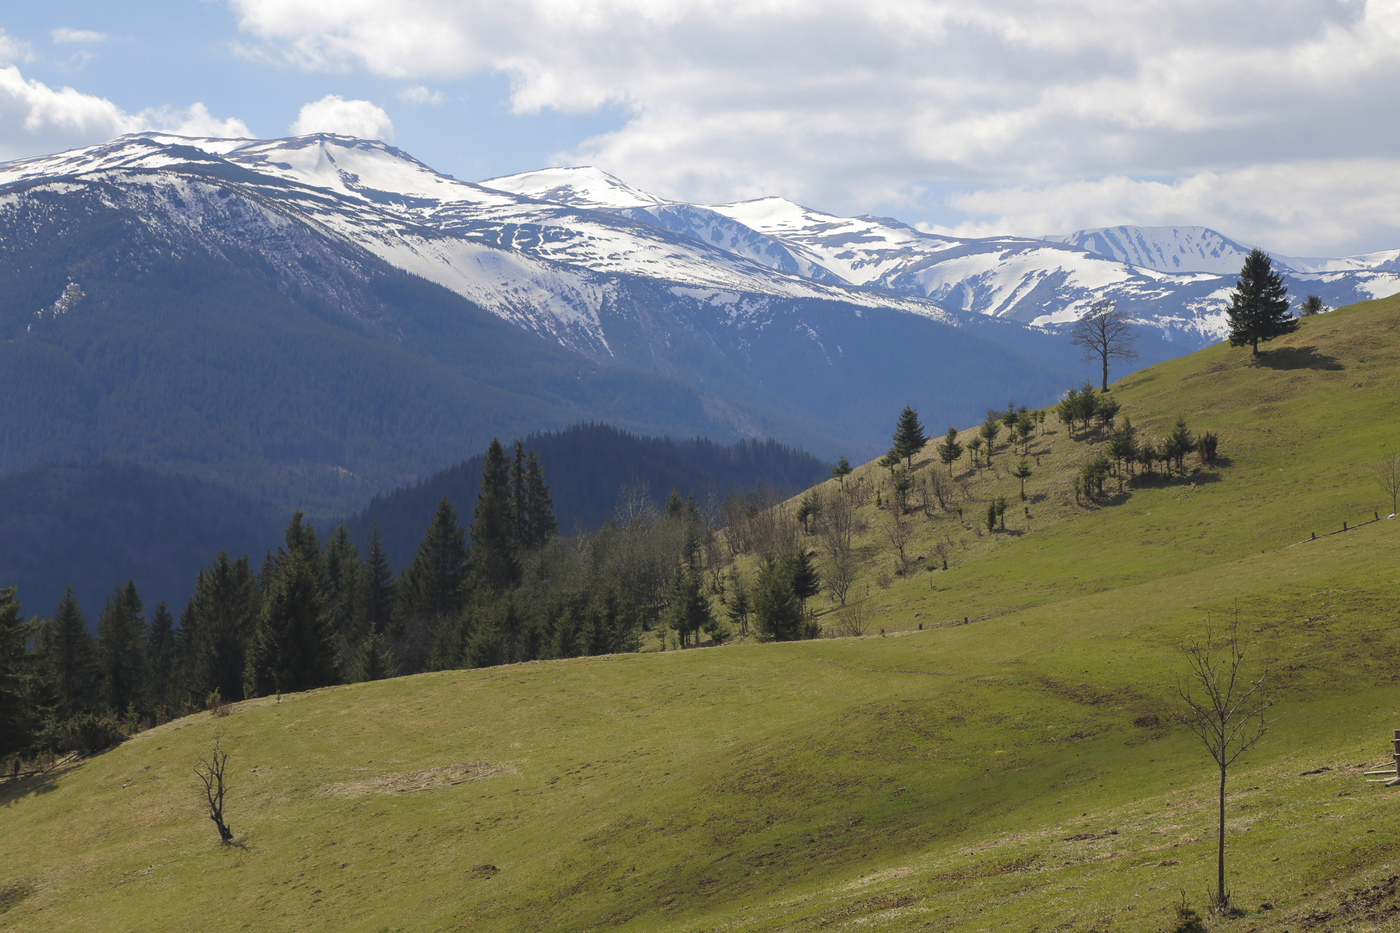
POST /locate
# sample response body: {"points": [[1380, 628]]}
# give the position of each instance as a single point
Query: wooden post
{"points": [[1395, 742]]}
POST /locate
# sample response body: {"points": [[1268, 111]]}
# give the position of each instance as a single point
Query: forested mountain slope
{"points": [[591, 469]]}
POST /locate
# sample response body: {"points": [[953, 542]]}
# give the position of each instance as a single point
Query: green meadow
{"points": [[1020, 772]]}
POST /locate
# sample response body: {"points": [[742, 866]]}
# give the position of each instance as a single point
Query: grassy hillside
{"points": [[1017, 773]]}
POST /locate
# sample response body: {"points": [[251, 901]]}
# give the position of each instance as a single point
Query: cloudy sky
{"points": [[1277, 123]]}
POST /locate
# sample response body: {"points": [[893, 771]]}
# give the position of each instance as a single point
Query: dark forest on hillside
{"points": [[589, 467]]}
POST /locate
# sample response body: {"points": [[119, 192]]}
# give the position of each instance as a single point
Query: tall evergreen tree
{"points": [[777, 610], [223, 612], [292, 647], [160, 653], [378, 584], [121, 650], [431, 593], [519, 506], [841, 470], [1259, 304], [539, 505], [688, 610], [345, 592], [69, 660], [493, 541], [989, 431], [909, 437], [18, 715]]}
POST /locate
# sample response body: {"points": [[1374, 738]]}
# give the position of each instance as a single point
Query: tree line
{"points": [[503, 588]]}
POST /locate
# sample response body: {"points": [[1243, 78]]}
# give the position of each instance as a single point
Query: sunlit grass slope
{"points": [[1017, 773]]}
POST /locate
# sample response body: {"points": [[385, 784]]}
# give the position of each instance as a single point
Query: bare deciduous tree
{"points": [[1388, 476], [211, 773], [1225, 710], [835, 526], [850, 621], [1105, 334], [898, 532]]}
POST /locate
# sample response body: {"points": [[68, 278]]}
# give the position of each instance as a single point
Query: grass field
{"points": [[1021, 772]]}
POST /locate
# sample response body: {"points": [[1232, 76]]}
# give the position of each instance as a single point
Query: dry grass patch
{"points": [[426, 779]]}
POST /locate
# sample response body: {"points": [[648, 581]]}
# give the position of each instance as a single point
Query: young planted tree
{"points": [[1178, 444], [950, 450], [1225, 710], [1022, 472], [974, 447], [1106, 334], [909, 437], [1387, 473], [1259, 304], [989, 431]]}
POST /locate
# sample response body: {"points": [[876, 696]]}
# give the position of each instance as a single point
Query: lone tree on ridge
{"points": [[1105, 334], [1259, 304]]}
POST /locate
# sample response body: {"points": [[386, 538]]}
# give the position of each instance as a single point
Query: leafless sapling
{"points": [[211, 773], [1225, 710], [1388, 476]]}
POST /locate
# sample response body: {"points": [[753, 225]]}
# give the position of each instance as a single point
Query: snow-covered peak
{"points": [[583, 186], [1165, 249]]}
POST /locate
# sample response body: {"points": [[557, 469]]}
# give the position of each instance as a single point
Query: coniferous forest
{"points": [[493, 583]]}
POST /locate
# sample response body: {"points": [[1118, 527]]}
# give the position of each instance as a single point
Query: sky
{"points": [[1275, 122]]}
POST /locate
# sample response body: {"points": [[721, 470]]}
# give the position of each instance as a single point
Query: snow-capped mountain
{"points": [[673, 318], [1174, 280], [763, 317]]}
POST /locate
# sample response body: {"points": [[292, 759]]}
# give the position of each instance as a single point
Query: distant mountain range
{"points": [[309, 321]]}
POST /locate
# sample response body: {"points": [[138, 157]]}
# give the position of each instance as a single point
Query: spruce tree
{"points": [[292, 648], [492, 530], [539, 506], [950, 450], [1259, 304], [121, 650], [519, 503], [160, 654], [344, 592], [777, 611], [374, 660], [377, 584], [68, 660], [909, 437], [435, 583], [18, 712], [222, 615], [989, 431], [841, 470]]}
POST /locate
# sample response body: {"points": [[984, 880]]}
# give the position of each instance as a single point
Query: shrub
{"points": [[90, 733]]}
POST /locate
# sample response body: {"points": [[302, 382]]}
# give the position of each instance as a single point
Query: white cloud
{"points": [[419, 94], [64, 34], [13, 50], [334, 114], [36, 119], [852, 105]]}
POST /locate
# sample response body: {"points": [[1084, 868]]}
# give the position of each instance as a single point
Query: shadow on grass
{"points": [[1297, 358], [41, 783]]}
